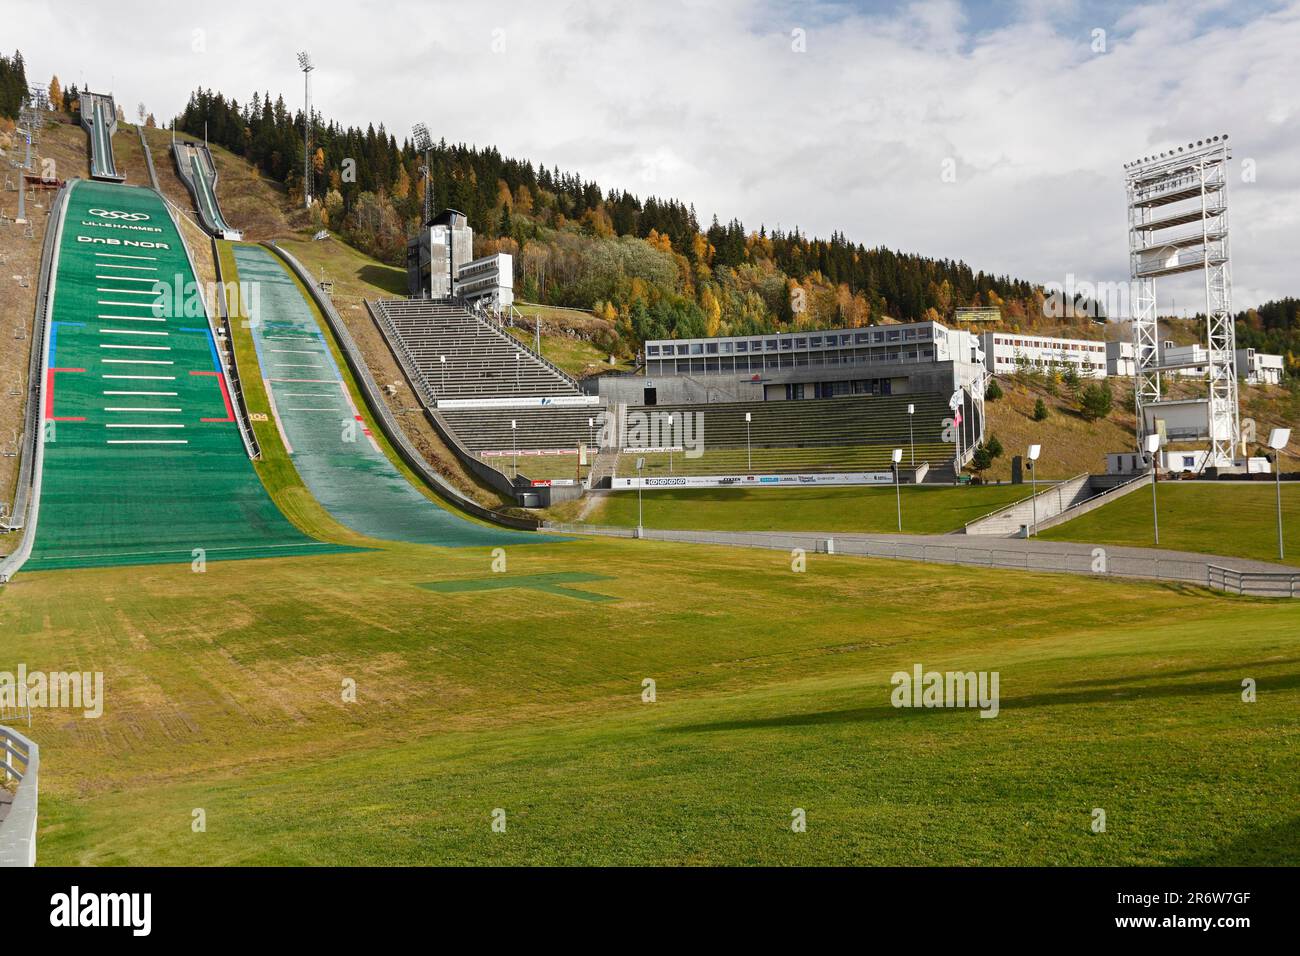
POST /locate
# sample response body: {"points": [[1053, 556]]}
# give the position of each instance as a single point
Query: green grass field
{"points": [[1229, 518], [223, 693], [926, 509]]}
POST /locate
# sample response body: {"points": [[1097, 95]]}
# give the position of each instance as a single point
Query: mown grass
{"points": [[926, 509], [772, 693], [1238, 519]]}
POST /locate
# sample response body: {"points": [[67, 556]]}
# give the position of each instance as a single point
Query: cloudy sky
{"points": [[816, 114]]}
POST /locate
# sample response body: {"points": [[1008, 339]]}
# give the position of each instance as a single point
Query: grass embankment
{"points": [[772, 693], [1238, 519], [926, 510]]}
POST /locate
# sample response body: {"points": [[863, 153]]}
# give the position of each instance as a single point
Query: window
{"points": [[801, 343], [785, 345], [770, 345], [816, 341], [711, 348], [652, 350], [742, 346]]}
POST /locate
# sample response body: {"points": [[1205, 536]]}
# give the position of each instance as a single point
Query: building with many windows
{"points": [[1007, 352]]}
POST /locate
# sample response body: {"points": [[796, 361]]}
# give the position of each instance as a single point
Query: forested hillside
{"points": [[647, 263]]}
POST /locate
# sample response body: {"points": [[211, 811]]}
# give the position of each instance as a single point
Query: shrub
{"points": [[1097, 400], [1040, 411], [994, 391]]}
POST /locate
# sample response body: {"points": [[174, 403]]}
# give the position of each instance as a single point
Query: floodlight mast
{"points": [[424, 143], [1178, 223], [306, 65]]}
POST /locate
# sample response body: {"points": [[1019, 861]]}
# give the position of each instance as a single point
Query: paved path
{"points": [[1013, 553]]}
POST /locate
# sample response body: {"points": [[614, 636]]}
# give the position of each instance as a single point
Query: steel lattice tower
{"points": [[1178, 223]]}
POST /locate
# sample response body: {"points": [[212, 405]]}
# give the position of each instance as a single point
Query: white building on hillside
{"points": [[1007, 352], [1259, 368], [1121, 360]]}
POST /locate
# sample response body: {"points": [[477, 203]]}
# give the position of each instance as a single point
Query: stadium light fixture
{"points": [[898, 495], [749, 449], [1152, 445], [1034, 452], [1277, 440], [306, 65], [911, 442], [424, 143]]}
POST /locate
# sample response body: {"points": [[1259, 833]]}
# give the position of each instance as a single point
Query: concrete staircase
{"points": [[1054, 505]]}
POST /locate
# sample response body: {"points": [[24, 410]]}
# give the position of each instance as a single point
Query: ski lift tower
{"points": [[1178, 223]]}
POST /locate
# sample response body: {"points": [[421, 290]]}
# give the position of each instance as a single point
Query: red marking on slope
{"points": [[49, 397], [225, 397]]}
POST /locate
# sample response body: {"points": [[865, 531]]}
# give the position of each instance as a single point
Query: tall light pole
{"points": [[1034, 452], [514, 444], [749, 449], [442, 361], [1152, 445], [911, 442], [591, 432], [898, 494], [424, 143], [305, 64], [1277, 440], [670, 443], [640, 528]]}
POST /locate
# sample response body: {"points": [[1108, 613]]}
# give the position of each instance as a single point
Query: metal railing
{"points": [[236, 382], [22, 759], [1257, 583]]}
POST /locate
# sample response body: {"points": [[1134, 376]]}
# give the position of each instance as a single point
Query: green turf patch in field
{"points": [[555, 582], [144, 462], [1237, 519]]}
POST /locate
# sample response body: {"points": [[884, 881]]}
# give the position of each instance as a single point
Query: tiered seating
{"points": [[547, 428], [481, 361], [866, 420]]}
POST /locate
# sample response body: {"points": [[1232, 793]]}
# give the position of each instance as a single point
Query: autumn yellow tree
{"points": [[56, 93], [402, 188]]}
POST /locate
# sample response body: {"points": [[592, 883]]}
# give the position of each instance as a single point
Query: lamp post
{"points": [[1034, 451], [749, 450], [898, 495], [1153, 448], [640, 527], [911, 442], [514, 445], [1277, 440], [516, 370], [670, 443], [442, 361], [591, 431]]}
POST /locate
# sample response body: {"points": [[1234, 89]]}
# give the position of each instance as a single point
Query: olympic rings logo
{"points": [[119, 214]]}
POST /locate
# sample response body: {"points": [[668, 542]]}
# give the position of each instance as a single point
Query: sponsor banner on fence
{"points": [[653, 450], [527, 452], [759, 481], [553, 483]]}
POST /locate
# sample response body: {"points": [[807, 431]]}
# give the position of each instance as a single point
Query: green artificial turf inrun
{"points": [[144, 462]]}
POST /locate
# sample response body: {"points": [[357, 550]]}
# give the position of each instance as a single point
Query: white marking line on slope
{"points": [[146, 441], [134, 305], [140, 348], [130, 332], [120, 408], [152, 378], [122, 265], [132, 318], [130, 292], [113, 392], [123, 255], [107, 361], [295, 351], [129, 279], [140, 425]]}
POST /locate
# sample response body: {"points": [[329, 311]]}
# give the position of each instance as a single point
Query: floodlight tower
{"points": [[1178, 223], [305, 64], [424, 143]]}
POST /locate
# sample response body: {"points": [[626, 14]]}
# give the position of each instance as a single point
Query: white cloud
{"points": [[707, 102]]}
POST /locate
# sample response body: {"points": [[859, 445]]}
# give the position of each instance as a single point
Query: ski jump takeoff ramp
{"points": [[339, 460], [199, 172], [99, 119], [143, 460]]}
